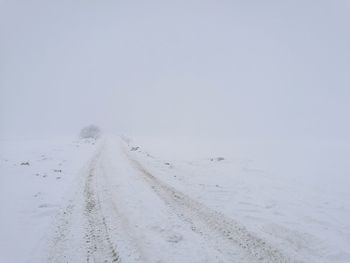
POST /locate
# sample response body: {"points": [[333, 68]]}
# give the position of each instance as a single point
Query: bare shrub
{"points": [[90, 132]]}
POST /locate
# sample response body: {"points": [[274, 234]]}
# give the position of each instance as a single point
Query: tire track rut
{"points": [[82, 233], [224, 233], [100, 246]]}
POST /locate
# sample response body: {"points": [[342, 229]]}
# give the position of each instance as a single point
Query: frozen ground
{"points": [[145, 200], [32, 195]]}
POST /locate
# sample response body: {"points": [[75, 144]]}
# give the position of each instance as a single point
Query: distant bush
{"points": [[90, 132]]}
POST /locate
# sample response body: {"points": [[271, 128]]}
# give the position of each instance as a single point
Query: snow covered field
{"points": [[31, 195], [293, 194], [236, 146], [159, 200]]}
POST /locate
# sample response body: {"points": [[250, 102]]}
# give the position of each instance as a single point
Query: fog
{"points": [[239, 69]]}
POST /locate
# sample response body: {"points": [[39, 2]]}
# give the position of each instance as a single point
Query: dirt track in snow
{"points": [[99, 245], [223, 232], [83, 234], [90, 229]]}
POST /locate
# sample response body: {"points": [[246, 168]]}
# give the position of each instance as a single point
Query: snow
{"points": [[294, 194], [147, 199], [31, 195]]}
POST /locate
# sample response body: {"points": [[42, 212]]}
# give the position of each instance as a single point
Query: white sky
{"points": [[245, 69]]}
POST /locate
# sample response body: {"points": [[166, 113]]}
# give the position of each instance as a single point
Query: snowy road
{"points": [[124, 213], [113, 201]]}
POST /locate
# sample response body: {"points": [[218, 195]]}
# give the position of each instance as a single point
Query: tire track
{"points": [[99, 245], [224, 233], [82, 233]]}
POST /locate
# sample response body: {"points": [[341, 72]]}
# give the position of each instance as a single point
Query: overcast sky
{"points": [[244, 69]]}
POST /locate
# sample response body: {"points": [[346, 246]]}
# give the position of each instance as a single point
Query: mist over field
{"points": [[252, 69], [174, 131]]}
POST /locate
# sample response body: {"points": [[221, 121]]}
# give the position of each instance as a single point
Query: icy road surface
{"points": [[127, 206]]}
